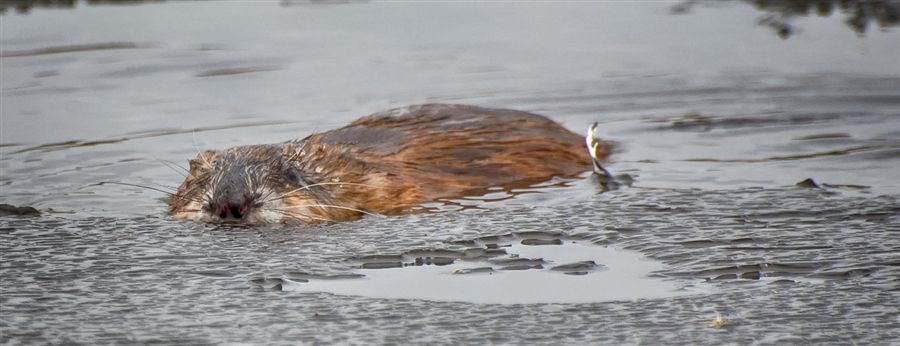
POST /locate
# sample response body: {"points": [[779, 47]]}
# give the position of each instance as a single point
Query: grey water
{"points": [[723, 110]]}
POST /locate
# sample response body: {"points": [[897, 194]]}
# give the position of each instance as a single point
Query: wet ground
{"points": [[720, 239]]}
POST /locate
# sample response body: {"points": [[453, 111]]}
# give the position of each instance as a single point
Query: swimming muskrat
{"points": [[385, 163]]}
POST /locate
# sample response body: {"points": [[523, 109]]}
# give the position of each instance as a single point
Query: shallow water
{"points": [[719, 119]]}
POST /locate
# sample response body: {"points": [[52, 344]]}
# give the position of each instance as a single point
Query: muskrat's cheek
{"points": [[184, 216], [187, 211], [265, 218]]}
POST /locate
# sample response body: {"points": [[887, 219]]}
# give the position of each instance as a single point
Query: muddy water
{"points": [[719, 118]]}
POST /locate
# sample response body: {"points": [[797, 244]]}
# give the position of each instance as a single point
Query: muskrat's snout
{"points": [[232, 211], [235, 190], [231, 200], [243, 184]]}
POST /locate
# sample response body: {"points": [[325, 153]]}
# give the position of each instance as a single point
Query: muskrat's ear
{"points": [[203, 159], [288, 149], [293, 149]]}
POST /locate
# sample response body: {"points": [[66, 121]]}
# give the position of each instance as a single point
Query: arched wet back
{"points": [[446, 150]]}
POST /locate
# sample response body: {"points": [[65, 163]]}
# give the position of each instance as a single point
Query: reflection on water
{"points": [[859, 14], [25, 6]]}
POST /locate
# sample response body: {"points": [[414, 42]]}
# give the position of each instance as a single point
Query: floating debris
{"points": [[720, 321], [809, 183], [11, 210]]}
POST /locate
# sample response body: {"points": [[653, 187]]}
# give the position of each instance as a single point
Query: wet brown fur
{"points": [[384, 163]]}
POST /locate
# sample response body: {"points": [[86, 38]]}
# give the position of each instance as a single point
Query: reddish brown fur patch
{"points": [[390, 161], [432, 151]]}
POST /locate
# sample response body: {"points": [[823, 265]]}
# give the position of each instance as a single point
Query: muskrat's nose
{"points": [[236, 211]]}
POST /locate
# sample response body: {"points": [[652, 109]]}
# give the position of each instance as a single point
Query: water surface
{"points": [[720, 117]]}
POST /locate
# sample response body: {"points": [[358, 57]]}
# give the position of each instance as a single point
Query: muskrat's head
{"points": [[260, 184]]}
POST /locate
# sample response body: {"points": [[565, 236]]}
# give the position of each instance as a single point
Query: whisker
{"points": [[193, 194], [197, 189], [297, 152], [297, 214], [285, 195], [190, 198], [173, 194], [199, 152], [172, 166], [337, 207], [189, 210], [315, 131]]}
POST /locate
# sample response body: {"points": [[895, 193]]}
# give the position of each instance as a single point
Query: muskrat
{"points": [[385, 163]]}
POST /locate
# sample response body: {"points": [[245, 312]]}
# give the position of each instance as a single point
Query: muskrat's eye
{"points": [[293, 177]]}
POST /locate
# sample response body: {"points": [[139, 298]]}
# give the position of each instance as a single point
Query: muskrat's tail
{"points": [[599, 152]]}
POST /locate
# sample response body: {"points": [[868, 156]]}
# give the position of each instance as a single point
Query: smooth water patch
{"points": [[554, 271]]}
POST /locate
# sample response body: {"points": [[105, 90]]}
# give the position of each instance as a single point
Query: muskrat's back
{"points": [[383, 163]]}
